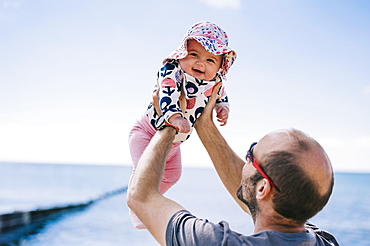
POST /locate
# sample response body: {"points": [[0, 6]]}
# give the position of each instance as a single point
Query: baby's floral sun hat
{"points": [[212, 38]]}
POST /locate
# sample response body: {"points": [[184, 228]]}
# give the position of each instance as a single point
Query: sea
{"points": [[30, 186]]}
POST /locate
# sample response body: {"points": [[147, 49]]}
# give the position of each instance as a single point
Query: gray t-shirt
{"points": [[186, 229]]}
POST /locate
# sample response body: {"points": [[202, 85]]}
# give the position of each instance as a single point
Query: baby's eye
{"points": [[211, 60], [194, 54]]}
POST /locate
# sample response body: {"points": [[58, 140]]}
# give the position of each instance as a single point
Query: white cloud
{"points": [[6, 6], [235, 4], [10, 4]]}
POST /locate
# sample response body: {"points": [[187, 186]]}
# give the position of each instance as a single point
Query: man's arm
{"points": [[152, 208], [226, 162]]}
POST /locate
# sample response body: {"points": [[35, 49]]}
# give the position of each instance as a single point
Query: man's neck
{"points": [[272, 223]]}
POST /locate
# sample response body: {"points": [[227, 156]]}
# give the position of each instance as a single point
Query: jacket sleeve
{"points": [[222, 99], [169, 84]]}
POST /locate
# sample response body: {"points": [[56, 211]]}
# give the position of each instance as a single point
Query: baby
{"points": [[184, 85]]}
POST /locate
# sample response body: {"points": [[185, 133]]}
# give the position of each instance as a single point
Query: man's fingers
{"points": [[212, 100], [155, 102]]}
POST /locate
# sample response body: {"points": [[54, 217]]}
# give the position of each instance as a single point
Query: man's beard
{"points": [[250, 200]]}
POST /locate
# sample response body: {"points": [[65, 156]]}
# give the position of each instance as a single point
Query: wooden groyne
{"points": [[20, 223]]}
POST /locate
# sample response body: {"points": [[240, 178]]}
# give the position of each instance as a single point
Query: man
{"points": [[286, 180]]}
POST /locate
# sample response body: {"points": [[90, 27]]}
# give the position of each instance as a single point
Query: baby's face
{"points": [[199, 63]]}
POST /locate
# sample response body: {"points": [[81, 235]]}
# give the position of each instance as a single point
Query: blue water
{"points": [[30, 186]]}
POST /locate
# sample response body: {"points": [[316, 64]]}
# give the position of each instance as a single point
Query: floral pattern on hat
{"points": [[213, 39]]}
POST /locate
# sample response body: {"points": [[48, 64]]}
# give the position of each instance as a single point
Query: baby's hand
{"points": [[180, 122], [222, 115]]}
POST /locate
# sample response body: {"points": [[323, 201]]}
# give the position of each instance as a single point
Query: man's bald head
{"points": [[301, 169]]}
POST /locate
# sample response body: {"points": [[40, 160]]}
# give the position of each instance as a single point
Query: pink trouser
{"points": [[139, 138]]}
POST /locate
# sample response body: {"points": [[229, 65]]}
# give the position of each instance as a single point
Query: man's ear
{"points": [[263, 189]]}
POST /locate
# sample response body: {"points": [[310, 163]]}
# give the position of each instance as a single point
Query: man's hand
{"points": [[206, 117]]}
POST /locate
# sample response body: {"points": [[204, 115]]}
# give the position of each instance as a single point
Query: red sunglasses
{"points": [[258, 166]]}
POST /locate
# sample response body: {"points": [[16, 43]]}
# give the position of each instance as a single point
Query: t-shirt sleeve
{"points": [[324, 236], [186, 229]]}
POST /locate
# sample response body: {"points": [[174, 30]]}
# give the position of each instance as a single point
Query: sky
{"points": [[75, 75]]}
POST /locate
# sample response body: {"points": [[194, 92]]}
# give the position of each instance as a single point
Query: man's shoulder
{"points": [[186, 229], [326, 237]]}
